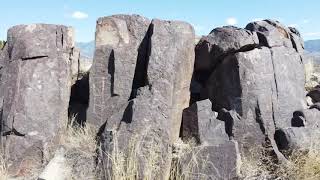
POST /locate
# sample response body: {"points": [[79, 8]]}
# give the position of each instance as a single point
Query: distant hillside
{"points": [[312, 45], [87, 48]]}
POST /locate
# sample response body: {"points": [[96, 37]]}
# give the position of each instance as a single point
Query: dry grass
{"points": [[80, 145], [79, 138], [303, 165], [141, 159], [3, 169], [188, 164]]}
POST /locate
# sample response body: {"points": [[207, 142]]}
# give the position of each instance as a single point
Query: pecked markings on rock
{"points": [[155, 108], [36, 86], [120, 55]]}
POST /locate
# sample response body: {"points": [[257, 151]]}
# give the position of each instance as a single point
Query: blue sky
{"points": [[204, 15]]}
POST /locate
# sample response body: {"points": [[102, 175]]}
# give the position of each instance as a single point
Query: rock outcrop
{"points": [[150, 88], [257, 72], [118, 67], [35, 86], [214, 156], [139, 82]]}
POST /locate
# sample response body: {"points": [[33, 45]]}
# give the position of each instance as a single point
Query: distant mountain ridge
{"points": [[312, 45], [87, 48]]}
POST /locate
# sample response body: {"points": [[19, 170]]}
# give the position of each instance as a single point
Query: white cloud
{"points": [[306, 21], [231, 21], [79, 15]]}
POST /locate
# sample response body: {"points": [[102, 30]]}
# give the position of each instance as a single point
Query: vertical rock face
{"points": [[170, 68], [258, 72], [121, 48], [199, 122], [150, 84], [215, 156], [36, 86]]}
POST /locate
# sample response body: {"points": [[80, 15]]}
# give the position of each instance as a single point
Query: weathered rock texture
{"points": [[257, 72], [139, 83], [35, 85], [118, 67], [214, 156], [297, 139], [199, 122]]}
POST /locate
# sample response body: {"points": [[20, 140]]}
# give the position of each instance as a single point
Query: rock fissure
{"points": [[33, 58]]}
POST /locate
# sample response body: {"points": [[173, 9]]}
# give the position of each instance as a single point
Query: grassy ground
{"points": [[81, 155]]}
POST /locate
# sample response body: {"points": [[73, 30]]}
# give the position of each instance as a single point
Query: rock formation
{"points": [[35, 87], [121, 51], [149, 88], [253, 71], [150, 97]]}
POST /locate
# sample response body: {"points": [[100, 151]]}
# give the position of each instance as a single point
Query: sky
{"points": [[204, 15]]}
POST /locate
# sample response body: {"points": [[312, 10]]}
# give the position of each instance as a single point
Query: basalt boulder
{"points": [[118, 66], [35, 85], [151, 112], [258, 73]]}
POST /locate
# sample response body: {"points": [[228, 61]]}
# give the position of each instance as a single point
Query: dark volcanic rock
{"points": [[296, 138], [271, 33], [199, 122], [220, 42], [36, 86], [118, 66], [315, 94], [306, 118], [159, 93], [260, 78]]}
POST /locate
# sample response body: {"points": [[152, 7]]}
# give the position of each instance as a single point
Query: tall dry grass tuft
{"points": [[80, 147], [141, 159], [187, 163], [79, 138], [303, 164], [3, 169]]}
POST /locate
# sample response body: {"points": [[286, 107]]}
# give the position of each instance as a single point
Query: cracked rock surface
{"points": [[258, 72], [35, 87]]}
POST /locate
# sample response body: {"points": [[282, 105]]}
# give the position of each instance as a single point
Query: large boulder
{"points": [[36, 86], [220, 42], [160, 92], [118, 66], [261, 78], [271, 33]]}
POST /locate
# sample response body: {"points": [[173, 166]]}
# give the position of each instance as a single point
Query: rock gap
{"points": [[79, 100], [141, 76]]}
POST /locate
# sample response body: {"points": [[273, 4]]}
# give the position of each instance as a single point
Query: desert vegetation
{"points": [[2, 43]]}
